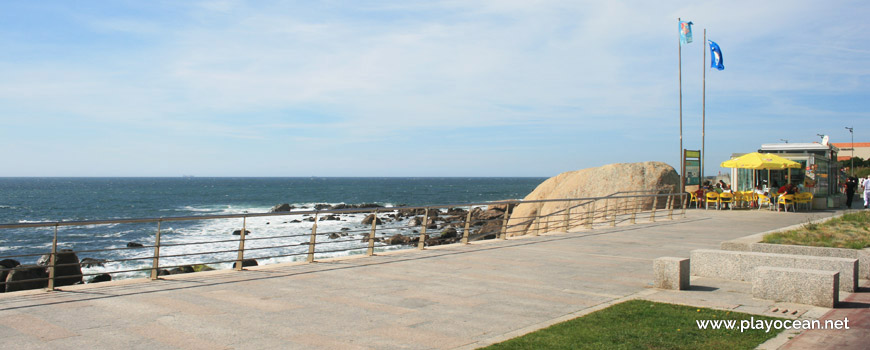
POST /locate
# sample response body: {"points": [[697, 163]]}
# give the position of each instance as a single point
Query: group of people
{"points": [[761, 190], [852, 184]]}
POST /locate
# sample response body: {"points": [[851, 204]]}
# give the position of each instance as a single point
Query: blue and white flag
{"points": [[716, 56], [685, 32]]}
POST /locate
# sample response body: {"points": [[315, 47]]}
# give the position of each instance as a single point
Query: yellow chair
{"points": [[711, 197], [726, 198], [693, 198], [749, 197], [762, 200], [785, 200], [804, 198]]}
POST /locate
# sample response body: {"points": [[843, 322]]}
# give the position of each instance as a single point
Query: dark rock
{"points": [[334, 235], [163, 272], [134, 245], [432, 226], [202, 267], [330, 218], [67, 271], [345, 228], [103, 277], [397, 239], [368, 205], [181, 269], [246, 263], [239, 232], [282, 207], [456, 211], [24, 277], [90, 262], [5, 266], [365, 239], [449, 233], [296, 221], [371, 217], [322, 206], [415, 221], [339, 206], [310, 219]]}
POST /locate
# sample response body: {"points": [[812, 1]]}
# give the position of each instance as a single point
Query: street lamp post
{"points": [[852, 158]]}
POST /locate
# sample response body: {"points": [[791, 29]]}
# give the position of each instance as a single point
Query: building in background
{"points": [[819, 173]]}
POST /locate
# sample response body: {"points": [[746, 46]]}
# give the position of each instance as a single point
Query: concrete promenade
{"points": [[446, 297]]}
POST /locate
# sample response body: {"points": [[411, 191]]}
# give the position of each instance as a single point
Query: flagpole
{"points": [[680, 77], [703, 102]]}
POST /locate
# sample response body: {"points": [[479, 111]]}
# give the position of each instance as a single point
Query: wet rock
{"points": [[181, 269], [322, 206], [296, 221], [239, 232], [5, 266], [449, 233], [371, 217], [103, 277], [282, 208], [415, 221], [334, 235], [91, 262], [345, 228], [67, 271], [398, 239], [246, 263], [134, 245], [24, 277]]}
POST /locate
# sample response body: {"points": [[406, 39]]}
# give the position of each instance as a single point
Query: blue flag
{"points": [[716, 56], [685, 32]]}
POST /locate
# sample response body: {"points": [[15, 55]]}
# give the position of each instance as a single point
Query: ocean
{"points": [[25, 200]]}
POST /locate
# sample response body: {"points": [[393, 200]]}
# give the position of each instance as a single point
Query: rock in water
{"points": [[91, 262], [281, 208], [657, 177], [25, 277], [371, 217], [246, 263], [103, 277], [67, 270], [239, 232], [134, 245]]}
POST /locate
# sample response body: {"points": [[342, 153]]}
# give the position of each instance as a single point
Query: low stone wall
{"points": [[752, 243], [811, 287], [740, 265]]}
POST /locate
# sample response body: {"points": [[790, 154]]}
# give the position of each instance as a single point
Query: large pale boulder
{"points": [[655, 177]]}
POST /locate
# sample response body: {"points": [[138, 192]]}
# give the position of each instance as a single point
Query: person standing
{"points": [[851, 186], [866, 185]]}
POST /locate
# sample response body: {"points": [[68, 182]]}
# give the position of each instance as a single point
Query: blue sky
{"points": [[415, 88]]}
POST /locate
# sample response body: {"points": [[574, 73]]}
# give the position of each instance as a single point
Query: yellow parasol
{"points": [[760, 161]]}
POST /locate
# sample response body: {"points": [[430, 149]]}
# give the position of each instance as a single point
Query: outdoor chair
{"points": [[711, 197], [785, 200], [804, 198], [693, 198], [726, 198], [762, 200]]}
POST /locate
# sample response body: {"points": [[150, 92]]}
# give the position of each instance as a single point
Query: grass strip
{"points": [[641, 324], [850, 231]]}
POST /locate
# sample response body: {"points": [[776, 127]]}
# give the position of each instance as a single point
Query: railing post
{"points": [[683, 203], [241, 257], [652, 215], [567, 217], [312, 242], [422, 242], [634, 210], [371, 250], [670, 205], [615, 212], [467, 226], [155, 264], [590, 216], [504, 223], [538, 219], [52, 260]]}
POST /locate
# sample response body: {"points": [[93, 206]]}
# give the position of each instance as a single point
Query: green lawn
{"points": [[848, 231], [640, 324]]}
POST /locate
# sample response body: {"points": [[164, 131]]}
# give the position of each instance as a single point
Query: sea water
{"points": [[26, 200]]}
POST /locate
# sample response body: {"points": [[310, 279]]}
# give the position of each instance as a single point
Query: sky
{"points": [[416, 88]]}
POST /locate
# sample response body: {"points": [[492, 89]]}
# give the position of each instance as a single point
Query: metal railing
{"points": [[411, 228]]}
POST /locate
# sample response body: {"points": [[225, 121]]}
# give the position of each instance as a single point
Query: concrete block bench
{"points": [[740, 265], [802, 286], [671, 273], [863, 255]]}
